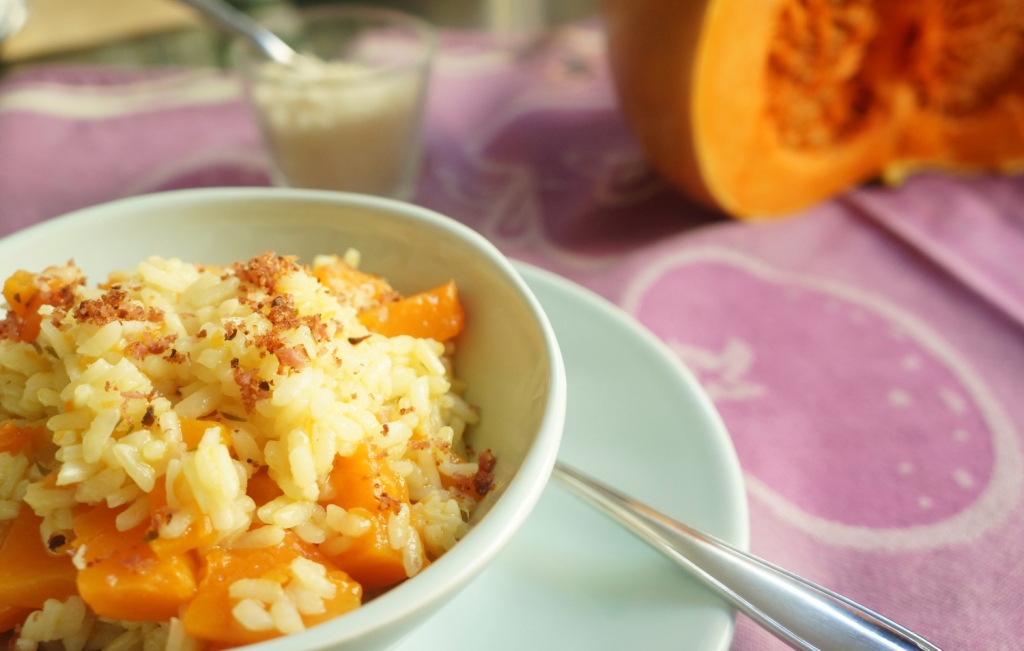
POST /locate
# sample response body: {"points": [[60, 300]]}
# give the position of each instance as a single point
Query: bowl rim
{"points": [[489, 536]]}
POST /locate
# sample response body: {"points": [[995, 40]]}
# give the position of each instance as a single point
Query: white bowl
{"points": [[507, 355]]}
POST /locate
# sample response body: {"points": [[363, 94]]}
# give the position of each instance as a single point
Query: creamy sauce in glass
{"points": [[341, 126]]}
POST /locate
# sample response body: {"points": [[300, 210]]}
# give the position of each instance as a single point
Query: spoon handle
{"points": [[242, 24], [804, 615]]}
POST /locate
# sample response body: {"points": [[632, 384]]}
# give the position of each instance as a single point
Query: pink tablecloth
{"points": [[867, 355]]}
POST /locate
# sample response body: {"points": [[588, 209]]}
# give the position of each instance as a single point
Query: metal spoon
{"points": [[241, 24], [804, 615]]}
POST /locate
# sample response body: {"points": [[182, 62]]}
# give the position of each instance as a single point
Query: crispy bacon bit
{"points": [[387, 503], [292, 357], [486, 461], [269, 342], [114, 305], [9, 327], [282, 312], [149, 417], [483, 480], [57, 318], [230, 331], [174, 358], [316, 327], [252, 387], [147, 346], [463, 483], [201, 334], [66, 295], [265, 270]]}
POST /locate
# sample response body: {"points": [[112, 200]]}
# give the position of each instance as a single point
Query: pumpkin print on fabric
{"points": [[920, 453]]}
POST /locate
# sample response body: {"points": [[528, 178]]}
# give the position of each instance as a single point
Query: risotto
{"points": [[207, 456]]}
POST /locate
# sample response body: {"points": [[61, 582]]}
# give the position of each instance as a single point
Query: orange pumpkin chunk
{"points": [[29, 573], [13, 438], [434, 314], [200, 531], [124, 578], [370, 559], [20, 290], [11, 616], [365, 484], [365, 479], [209, 616], [262, 488], [361, 289], [193, 430], [25, 293]]}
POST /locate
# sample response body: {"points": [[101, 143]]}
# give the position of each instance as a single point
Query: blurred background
{"points": [[164, 32]]}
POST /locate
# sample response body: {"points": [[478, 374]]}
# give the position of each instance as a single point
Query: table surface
{"points": [[866, 354]]}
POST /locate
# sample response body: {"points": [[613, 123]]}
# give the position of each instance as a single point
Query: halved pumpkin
{"points": [[763, 108]]}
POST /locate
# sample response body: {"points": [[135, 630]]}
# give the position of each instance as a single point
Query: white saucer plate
{"points": [[571, 578]]}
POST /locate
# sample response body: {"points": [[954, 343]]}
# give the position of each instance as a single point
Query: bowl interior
{"points": [[507, 354]]}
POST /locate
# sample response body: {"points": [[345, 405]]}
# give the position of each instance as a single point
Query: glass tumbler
{"points": [[348, 115]]}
